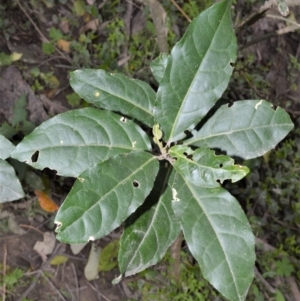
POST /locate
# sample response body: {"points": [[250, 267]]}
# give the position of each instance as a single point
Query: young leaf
{"points": [[105, 195], [248, 129], [115, 92], [197, 73], [150, 230], [205, 168], [6, 147], [10, 187], [158, 66], [73, 141], [218, 235], [109, 256]]}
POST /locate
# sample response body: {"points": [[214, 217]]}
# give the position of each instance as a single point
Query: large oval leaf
{"points": [[115, 92], [150, 230], [218, 235], [104, 196], [197, 73], [204, 168], [74, 141], [10, 187], [248, 129], [6, 147]]}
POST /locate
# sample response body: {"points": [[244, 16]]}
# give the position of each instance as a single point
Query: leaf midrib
{"points": [[153, 218], [184, 100], [207, 216], [110, 191], [120, 97], [228, 133]]}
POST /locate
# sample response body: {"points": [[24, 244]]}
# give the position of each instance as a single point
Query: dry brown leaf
{"points": [[46, 246], [64, 26], [91, 25], [63, 45], [46, 202]]}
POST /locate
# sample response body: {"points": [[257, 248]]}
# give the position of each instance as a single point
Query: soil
{"points": [[43, 281]]}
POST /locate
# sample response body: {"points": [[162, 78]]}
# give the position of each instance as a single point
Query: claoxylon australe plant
{"points": [[146, 157]]}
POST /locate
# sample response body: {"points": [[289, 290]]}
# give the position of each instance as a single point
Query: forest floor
{"points": [[56, 37]]}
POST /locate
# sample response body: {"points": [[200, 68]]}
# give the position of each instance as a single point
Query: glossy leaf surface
{"points": [[150, 230], [74, 141], [6, 147], [104, 196], [115, 92], [197, 73], [10, 187], [248, 129], [204, 168], [218, 235]]}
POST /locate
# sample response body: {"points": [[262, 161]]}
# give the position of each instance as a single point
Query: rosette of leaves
{"points": [[149, 158]]}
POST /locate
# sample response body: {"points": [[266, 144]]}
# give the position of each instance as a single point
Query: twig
{"points": [[294, 288], [43, 38], [127, 21], [70, 291], [268, 286], [39, 274], [76, 280], [272, 34], [4, 271], [54, 287], [181, 10], [31, 227], [261, 13], [97, 291], [283, 19], [158, 16]]}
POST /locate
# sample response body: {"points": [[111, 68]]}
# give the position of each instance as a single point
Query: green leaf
{"points": [[198, 72], [5, 59], [150, 230], [74, 141], [10, 187], [115, 92], [59, 260], [204, 168], [7, 130], [158, 66], [48, 48], [284, 267], [218, 235], [6, 147], [248, 129], [104, 196], [79, 7], [108, 257], [19, 111], [55, 34]]}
